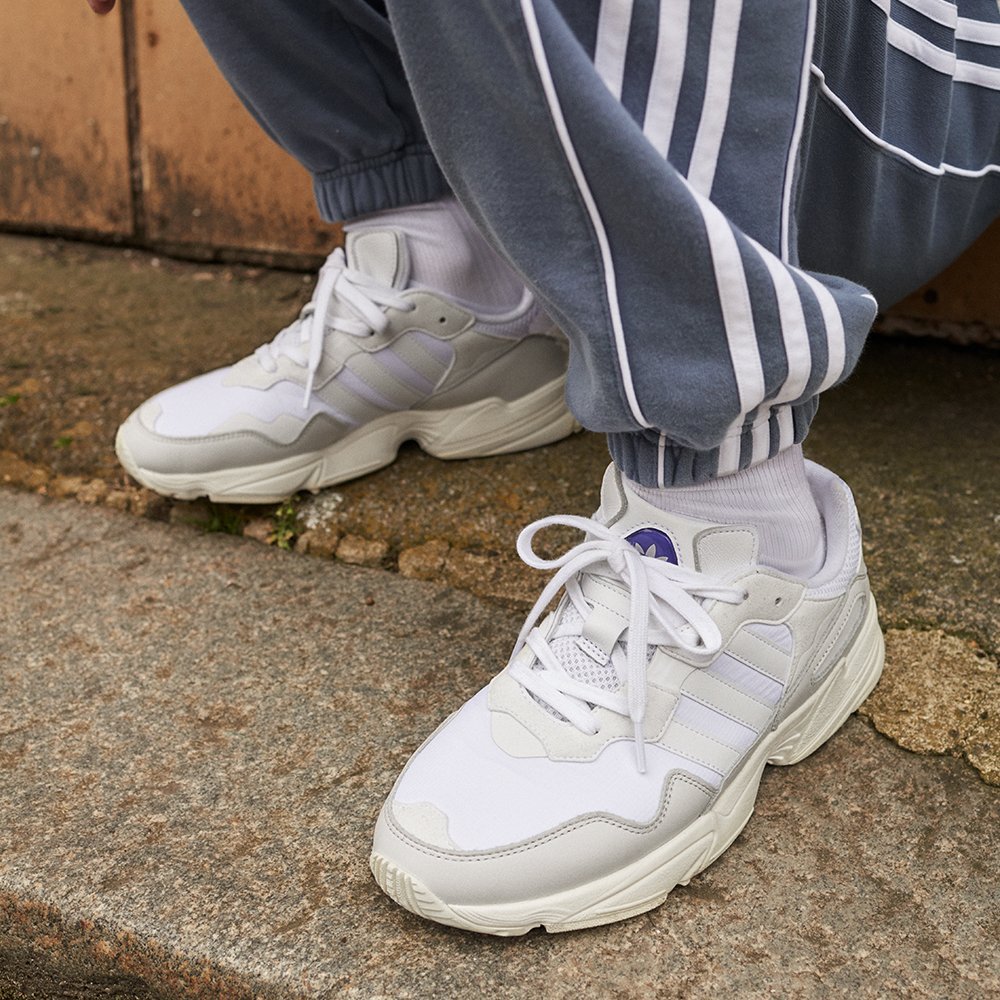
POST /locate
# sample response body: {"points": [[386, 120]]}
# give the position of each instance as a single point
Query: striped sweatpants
{"points": [[710, 196]]}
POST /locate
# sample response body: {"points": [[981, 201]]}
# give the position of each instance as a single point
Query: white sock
{"points": [[448, 254], [773, 496]]}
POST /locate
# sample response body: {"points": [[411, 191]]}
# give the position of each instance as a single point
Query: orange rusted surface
{"points": [[211, 175], [966, 292], [64, 158]]}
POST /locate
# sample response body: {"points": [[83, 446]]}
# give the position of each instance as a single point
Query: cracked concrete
{"points": [[939, 694], [196, 731], [195, 741], [87, 333]]}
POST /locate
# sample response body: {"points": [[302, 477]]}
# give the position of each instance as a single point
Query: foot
{"points": [[371, 362], [619, 752]]}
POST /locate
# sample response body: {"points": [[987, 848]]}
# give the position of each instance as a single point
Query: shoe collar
{"points": [[380, 253], [725, 552]]}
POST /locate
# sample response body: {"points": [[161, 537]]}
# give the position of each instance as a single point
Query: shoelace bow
{"points": [[366, 300], [664, 609]]}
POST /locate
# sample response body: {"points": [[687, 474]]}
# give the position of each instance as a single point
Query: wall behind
{"points": [[64, 145], [210, 174], [121, 127]]}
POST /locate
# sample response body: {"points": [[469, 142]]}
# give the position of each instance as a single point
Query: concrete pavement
{"points": [[196, 730], [87, 333], [196, 734]]}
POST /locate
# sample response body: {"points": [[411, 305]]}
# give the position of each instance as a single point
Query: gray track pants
{"points": [[701, 192]]}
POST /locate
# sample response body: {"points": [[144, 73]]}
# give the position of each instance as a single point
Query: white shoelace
{"points": [[366, 301], [664, 609]]}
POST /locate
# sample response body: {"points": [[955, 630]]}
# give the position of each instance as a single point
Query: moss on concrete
{"points": [[87, 333], [939, 694]]}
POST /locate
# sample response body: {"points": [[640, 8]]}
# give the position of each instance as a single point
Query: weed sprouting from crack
{"points": [[285, 523]]}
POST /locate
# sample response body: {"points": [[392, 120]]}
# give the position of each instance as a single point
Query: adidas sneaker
{"points": [[368, 364], [619, 752]]}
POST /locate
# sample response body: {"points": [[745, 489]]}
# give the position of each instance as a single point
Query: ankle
{"points": [[449, 255], [774, 497]]}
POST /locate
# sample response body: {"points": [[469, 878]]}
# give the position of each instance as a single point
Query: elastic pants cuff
{"points": [[650, 458], [408, 176]]}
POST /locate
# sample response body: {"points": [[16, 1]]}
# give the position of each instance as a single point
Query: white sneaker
{"points": [[619, 752], [369, 364]]}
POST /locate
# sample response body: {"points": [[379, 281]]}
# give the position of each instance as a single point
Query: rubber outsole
{"points": [[646, 883], [491, 426]]}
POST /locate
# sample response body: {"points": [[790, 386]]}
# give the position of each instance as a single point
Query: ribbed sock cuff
{"points": [[651, 459], [773, 496], [407, 176], [449, 255]]}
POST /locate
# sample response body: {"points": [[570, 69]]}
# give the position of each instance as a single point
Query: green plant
{"points": [[62, 442], [285, 524], [9, 400]]}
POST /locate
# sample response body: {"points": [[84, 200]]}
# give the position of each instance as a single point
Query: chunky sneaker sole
{"points": [[490, 426], [645, 884], [527, 808], [369, 363]]}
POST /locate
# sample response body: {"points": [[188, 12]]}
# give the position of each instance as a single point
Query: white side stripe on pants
{"points": [[732, 282], [977, 31], [793, 146], [668, 71], [718, 87], [835, 340], [794, 333], [611, 285], [734, 300], [612, 43], [798, 354], [944, 61]]}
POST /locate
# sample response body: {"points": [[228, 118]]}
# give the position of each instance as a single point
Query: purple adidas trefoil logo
{"points": [[654, 544]]}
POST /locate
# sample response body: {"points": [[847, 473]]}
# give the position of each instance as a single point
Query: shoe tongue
{"points": [[380, 253], [721, 551]]}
